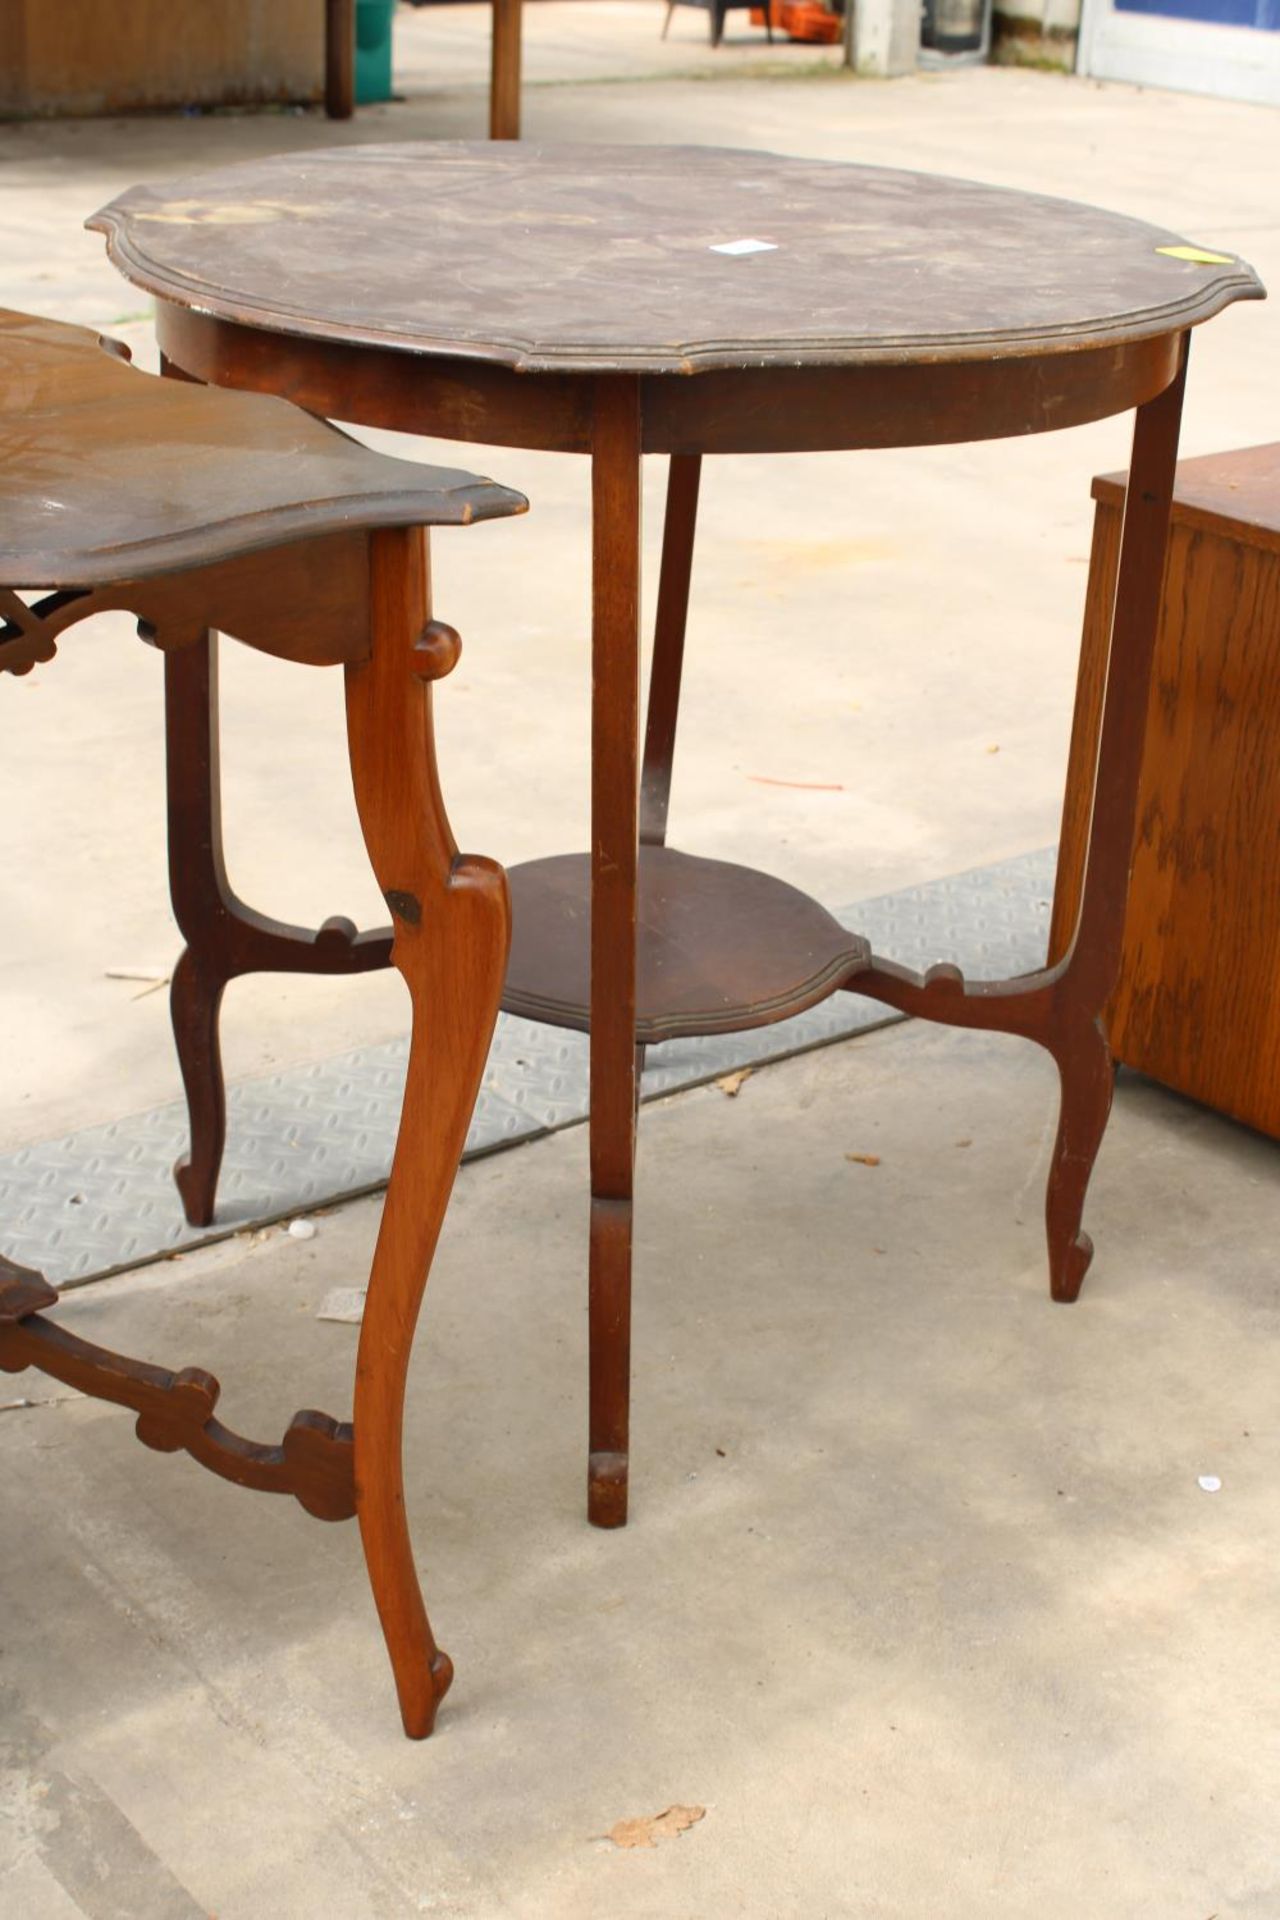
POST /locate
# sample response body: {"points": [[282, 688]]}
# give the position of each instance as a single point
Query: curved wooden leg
{"points": [[203, 906], [195, 1003], [1063, 1007], [615, 470], [452, 929], [225, 938], [1087, 1075]]}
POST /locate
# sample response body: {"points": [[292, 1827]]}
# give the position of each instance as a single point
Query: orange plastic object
{"points": [[801, 20]]}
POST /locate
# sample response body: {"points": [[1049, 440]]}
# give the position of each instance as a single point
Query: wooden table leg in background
{"points": [[674, 581], [339, 58], [452, 930], [504, 80], [1061, 1007], [615, 499]]}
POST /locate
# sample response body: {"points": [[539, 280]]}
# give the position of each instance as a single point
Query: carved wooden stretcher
{"points": [[195, 509]]}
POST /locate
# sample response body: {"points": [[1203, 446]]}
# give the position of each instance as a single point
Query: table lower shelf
{"points": [[719, 949]]}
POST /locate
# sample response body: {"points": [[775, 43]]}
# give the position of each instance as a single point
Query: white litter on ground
{"points": [[345, 1304]]}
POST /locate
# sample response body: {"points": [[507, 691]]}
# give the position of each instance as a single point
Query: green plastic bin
{"points": [[373, 49]]}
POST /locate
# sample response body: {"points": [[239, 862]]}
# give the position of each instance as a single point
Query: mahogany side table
{"points": [[688, 301]]}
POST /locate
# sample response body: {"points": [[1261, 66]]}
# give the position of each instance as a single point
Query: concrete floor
{"points": [[817, 651], [921, 1599]]}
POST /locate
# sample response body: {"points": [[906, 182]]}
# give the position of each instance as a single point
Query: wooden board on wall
{"points": [[104, 56]]}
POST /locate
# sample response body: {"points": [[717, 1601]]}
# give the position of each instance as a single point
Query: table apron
{"points": [[793, 410]]}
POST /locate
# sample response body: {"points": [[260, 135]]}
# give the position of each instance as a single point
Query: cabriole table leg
{"points": [[452, 930], [1092, 964], [1062, 1007], [224, 937]]}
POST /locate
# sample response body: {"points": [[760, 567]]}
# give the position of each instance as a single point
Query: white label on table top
{"points": [[737, 247]]}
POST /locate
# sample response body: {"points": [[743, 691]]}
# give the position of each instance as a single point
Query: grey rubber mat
{"points": [[93, 1202]]}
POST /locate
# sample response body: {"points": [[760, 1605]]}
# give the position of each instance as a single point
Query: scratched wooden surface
{"points": [[108, 474], [589, 259]]}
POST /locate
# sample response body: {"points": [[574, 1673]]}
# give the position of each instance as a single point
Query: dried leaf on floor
{"points": [[153, 977], [803, 786], [864, 1159], [649, 1829], [732, 1083], [154, 987]]}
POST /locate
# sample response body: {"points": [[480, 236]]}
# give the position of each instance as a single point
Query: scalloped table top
{"points": [[109, 474], [590, 259]]}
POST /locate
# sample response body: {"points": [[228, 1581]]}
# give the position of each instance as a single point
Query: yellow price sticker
{"points": [[1200, 255]]}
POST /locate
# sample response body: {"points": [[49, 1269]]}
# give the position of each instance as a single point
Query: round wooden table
{"points": [[689, 301]]}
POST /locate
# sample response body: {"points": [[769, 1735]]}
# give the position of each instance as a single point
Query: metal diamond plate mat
{"points": [[102, 1199]]}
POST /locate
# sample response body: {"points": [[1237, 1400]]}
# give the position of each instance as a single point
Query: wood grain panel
{"points": [[1198, 1005], [97, 56]]}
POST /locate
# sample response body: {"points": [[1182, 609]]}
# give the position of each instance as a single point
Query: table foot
{"points": [[1046, 1007], [607, 1482], [195, 1004], [609, 1317], [1087, 1075], [452, 927], [1052, 1008]]}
